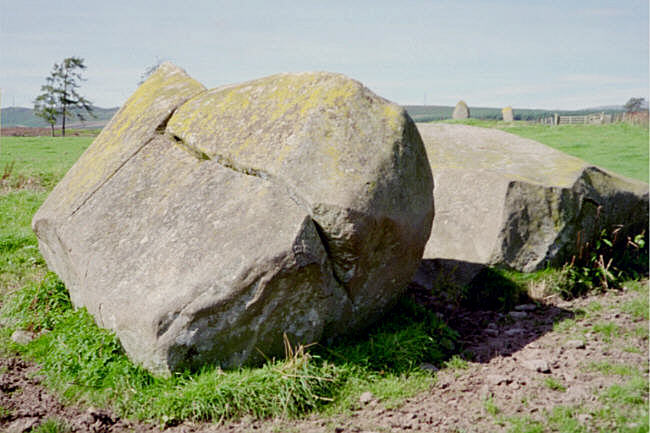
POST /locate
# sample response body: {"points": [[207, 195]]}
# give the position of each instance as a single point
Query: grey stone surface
{"points": [[202, 226], [538, 365], [525, 307], [575, 344], [505, 200], [518, 314], [21, 336], [461, 111], [22, 425]]}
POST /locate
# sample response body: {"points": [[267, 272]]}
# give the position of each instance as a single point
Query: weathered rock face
{"points": [[507, 114], [461, 111], [202, 225], [501, 199]]}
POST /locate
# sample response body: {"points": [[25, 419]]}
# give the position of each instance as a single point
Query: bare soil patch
{"points": [[25, 131], [523, 364]]}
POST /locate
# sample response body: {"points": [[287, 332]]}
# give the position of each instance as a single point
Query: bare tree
{"points": [[634, 104], [150, 70]]}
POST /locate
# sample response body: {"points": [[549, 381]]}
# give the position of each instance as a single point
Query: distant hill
{"points": [[428, 113], [20, 116]]}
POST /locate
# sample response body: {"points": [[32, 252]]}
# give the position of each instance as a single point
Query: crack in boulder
{"points": [[292, 193]]}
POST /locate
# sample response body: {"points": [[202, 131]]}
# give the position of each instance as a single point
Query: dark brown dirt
{"points": [[514, 356], [23, 131], [20, 131]]}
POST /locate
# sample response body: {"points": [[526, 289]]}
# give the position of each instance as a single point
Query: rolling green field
{"points": [[618, 147], [327, 379], [44, 160]]}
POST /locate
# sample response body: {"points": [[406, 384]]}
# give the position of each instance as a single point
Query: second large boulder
{"points": [[513, 202]]}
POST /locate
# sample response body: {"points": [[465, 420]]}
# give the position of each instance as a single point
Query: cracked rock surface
{"points": [[202, 225]]}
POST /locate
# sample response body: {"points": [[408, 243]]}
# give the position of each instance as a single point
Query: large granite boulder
{"points": [[509, 201], [201, 225]]}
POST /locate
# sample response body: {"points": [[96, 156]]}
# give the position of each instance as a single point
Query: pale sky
{"points": [[527, 54]]}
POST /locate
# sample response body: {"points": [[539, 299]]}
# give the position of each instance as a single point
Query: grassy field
{"points": [[618, 147], [84, 363], [41, 160]]}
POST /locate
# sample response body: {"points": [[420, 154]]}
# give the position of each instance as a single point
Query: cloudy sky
{"points": [[528, 54]]}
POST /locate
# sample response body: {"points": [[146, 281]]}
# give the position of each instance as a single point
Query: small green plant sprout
{"points": [[608, 330], [4, 413], [457, 363], [53, 425], [604, 263], [564, 326], [554, 384], [490, 406], [613, 369]]}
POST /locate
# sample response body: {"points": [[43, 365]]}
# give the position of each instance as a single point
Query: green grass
{"points": [[564, 325], [490, 406], [52, 425], [607, 330], [4, 413], [83, 362], [609, 368], [45, 159], [20, 260], [618, 147], [637, 308], [554, 384]]}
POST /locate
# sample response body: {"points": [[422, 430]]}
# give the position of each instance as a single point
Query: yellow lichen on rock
{"points": [[131, 127], [255, 125]]}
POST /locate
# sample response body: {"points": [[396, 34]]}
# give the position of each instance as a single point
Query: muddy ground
{"points": [[516, 356]]}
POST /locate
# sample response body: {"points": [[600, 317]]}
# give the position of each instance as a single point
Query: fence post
{"points": [[556, 119]]}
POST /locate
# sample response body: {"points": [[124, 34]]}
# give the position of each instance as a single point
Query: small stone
{"points": [[575, 344], [22, 425], [492, 325], [428, 367], [513, 331], [366, 397], [518, 314], [538, 365], [526, 307], [584, 418], [492, 332], [497, 379], [22, 337]]}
